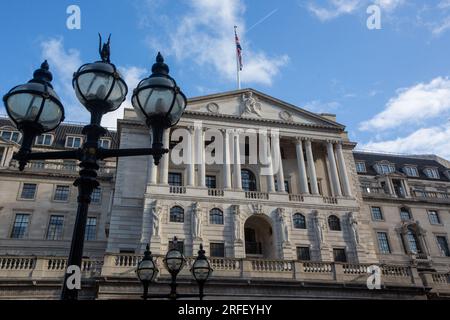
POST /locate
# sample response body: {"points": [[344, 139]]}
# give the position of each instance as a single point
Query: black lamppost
{"points": [[174, 263], [147, 271], [35, 108]]}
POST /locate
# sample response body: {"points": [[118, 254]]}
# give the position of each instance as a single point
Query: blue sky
{"points": [[390, 87]]}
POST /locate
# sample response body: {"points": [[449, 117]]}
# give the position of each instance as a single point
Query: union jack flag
{"points": [[238, 49]]}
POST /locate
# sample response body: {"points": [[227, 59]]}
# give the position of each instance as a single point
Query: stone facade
{"points": [[302, 217]]}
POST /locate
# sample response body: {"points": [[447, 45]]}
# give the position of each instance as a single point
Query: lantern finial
{"points": [[43, 75], [160, 67]]}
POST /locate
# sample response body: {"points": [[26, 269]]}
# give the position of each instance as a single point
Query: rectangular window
{"points": [[361, 167], [96, 195], [104, 143], [217, 250], [211, 182], [432, 173], [377, 215], [385, 168], [44, 140], [10, 135], [179, 246], [411, 171], [339, 255], [55, 228], [303, 254], [286, 185], [383, 243], [28, 191], [20, 227], [434, 217], [91, 229], [73, 142], [443, 245], [175, 179], [62, 193]]}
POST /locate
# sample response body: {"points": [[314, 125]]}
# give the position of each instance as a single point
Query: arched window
{"points": [[334, 223], [216, 216], [176, 214], [248, 180], [405, 214], [299, 221]]}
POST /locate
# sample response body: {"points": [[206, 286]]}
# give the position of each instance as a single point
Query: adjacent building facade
{"points": [[277, 196]]}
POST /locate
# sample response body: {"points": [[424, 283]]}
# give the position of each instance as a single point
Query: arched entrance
{"points": [[259, 237]]}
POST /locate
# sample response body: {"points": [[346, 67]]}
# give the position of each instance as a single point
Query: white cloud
{"points": [[204, 35], [413, 105], [334, 9], [337, 8], [433, 140], [63, 63], [132, 75]]}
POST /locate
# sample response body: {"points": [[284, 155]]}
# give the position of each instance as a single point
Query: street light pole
{"points": [[35, 108]]}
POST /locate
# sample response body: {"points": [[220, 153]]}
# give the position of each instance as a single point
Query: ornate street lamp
{"points": [[35, 108], [159, 101], [174, 262], [147, 271], [201, 270]]}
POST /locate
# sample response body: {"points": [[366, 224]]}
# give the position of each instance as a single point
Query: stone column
{"points": [[237, 162], [277, 157], [303, 179], [268, 153], [201, 160], [311, 168], [191, 159], [164, 166], [343, 170], [333, 170], [152, 169], [226, 160]]}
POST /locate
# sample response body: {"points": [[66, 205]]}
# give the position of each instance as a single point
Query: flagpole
{"points": [[238, 65]]}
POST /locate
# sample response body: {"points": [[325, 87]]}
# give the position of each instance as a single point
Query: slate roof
{"points": [[371, 159], [63, 131]]}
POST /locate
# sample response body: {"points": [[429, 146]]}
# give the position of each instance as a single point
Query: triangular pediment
{"points": [[252, 104]]}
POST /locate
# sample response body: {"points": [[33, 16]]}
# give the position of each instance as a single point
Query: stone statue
{"points": [[251, 105], [353, 221], [283, 225], [196, 221], [320, 225], [237, 222], [156, 213]]}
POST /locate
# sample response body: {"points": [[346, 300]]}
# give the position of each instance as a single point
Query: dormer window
{"points": [[361, 167], [10, 135], [384, 168], [411, 171], [104, 143], [44, 140], [73, 142], [432, 173]]}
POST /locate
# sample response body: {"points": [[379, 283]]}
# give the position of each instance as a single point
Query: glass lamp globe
{"points": [[99, 85], [147, 270], [35, 106], [174, 261], [201, 268], [158, 100]]}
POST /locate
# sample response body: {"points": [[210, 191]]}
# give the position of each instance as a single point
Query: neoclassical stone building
{"points": [[290, 218]]}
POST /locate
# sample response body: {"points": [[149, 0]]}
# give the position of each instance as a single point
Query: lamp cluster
{"points": [[174, 262]]}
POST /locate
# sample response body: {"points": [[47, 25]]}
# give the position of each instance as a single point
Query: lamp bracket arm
{"points": [[118, 153]]}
